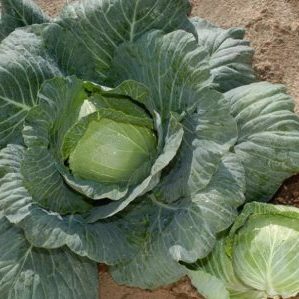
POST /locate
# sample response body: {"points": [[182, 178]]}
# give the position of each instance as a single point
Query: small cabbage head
{"points": [[112, 141], [258, 259]]}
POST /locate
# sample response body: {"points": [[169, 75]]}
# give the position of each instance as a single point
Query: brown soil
{"points": [[273, 29], [52, 7], [110, 290]]}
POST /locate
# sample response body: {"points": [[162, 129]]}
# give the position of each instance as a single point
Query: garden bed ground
{"points": [[273, 29]]}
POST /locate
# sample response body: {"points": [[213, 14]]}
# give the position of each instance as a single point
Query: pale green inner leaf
{"points": [[111, 151]]}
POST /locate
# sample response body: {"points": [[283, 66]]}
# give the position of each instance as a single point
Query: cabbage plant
{"points": [[258, 259], [130, 135]]}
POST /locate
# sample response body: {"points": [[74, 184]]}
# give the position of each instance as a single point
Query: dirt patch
{"points": [[111, 290], [273, 29], [288, 194], [52, 7]]}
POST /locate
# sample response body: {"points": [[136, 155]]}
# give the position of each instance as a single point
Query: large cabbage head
{"points": [[130, 135]]}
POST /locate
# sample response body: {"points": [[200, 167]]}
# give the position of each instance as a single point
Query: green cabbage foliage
{"points": [[16, 13], [258, 259], [130, 135]]}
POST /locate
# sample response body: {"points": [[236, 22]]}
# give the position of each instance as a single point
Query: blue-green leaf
{"points": [[209, 135], [24, 65], [27, 272], [182, 231], [230, 57], [19, 13], [172, 66], [89, 31], [268, 139]]}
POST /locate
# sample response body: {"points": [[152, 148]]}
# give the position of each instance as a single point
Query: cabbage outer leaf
{"points": [[210, 133], [181, 231], [19, 13], [208, 285], [88, 32], [230, 57], [172, 66], [268, 138], [24, 65], [27, 272]]}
